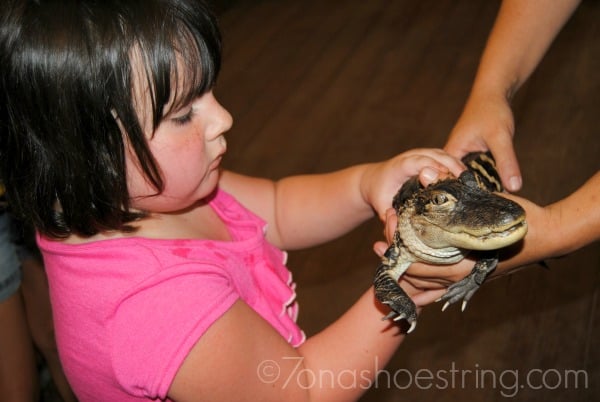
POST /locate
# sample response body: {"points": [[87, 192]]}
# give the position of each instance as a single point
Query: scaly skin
{"points": [[440, 224]]}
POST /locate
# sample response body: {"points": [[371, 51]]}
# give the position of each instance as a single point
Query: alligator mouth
{"points": [[492, 238]]}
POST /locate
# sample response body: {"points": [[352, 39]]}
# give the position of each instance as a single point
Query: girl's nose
{"points": [[221, 118]]}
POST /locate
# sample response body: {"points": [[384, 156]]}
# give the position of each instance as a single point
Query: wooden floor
{"points": [[317, 85]]}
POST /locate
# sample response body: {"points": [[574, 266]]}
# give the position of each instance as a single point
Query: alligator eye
{"points": [[439, 199]]}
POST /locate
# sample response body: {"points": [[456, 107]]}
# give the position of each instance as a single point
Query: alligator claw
{"points": [[466, 288], [397, 317], [462, 308], [413, 325], [401, 310], [400, 317], [463, 289], [391, 315]]}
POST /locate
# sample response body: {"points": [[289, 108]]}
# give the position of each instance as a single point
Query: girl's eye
{"points": [[186, 118]]}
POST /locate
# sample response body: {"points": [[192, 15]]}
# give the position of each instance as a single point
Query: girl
{"points": [[166, 275]]}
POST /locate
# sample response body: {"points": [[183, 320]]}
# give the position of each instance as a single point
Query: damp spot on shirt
{"points": [[181, 252]]}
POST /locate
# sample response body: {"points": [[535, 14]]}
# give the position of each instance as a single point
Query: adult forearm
{"points": [[522, 33], [577, 218], [557, 229]]}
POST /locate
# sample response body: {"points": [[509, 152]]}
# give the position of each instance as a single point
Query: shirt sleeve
{"points": [[155, 326]]}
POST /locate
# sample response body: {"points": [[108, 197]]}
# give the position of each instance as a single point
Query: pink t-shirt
{"points": [[128, 311]]}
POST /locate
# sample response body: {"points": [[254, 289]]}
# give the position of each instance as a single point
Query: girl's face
{"points": [[188, 146]]}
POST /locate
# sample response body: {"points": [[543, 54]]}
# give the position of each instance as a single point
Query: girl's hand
{"points": [[487, 123], [381, 181]]}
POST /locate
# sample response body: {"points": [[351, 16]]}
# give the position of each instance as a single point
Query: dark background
{"points": [[318, 85]]}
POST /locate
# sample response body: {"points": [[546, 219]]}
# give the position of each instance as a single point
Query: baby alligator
{"points": [[440, 224]]}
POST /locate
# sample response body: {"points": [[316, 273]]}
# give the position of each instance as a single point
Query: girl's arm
{"points": [[242, 358], [304, 211]]}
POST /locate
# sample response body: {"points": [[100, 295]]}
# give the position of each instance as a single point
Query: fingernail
{"points": [[514, 183], [429, 174]]}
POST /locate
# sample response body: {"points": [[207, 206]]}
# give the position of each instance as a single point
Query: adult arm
{"points": [[521, 35]]}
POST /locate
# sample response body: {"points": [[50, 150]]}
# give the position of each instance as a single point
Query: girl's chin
{"points": [[171, 203]]}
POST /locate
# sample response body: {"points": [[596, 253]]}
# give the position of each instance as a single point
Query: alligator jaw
{"points": [[491, 239]]}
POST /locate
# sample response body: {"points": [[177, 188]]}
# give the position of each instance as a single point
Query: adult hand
{"points": [[487, 123]]}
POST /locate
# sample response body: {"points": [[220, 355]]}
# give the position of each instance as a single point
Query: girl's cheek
{"points": [[138, 185]]}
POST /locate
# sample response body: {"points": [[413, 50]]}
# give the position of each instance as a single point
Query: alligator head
{"points": [[459, 213]]}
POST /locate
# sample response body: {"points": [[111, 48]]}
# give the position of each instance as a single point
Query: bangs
{"points": [[192, 73], [180, 63]]}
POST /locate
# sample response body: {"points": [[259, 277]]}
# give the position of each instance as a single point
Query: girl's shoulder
{"points": [[227, 206]]}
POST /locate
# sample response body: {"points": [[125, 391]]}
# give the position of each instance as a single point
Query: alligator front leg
{"points": [[465, 288], [390, 293]]}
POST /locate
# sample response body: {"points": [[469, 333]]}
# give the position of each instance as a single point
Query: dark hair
{"points": [[65, 80]]}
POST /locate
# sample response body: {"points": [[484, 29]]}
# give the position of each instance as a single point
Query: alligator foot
{"points": [[388, 292], [402, 308], [467, 287]]}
